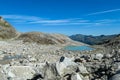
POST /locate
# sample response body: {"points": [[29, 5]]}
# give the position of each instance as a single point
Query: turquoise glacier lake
{"points": [[78, 48]]}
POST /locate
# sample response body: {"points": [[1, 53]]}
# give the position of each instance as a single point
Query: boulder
{"points": [[107, 55], [76, 76], [50, 72], [83, 69], [63, 64], [98, 56], [24, 72], [115, 77], [1, 52], [2, 75]]}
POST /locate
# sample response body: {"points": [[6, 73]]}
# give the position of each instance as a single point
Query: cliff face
{"points": [[6, 30]]}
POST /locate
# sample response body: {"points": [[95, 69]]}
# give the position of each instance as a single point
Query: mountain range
{"points": [[7, 31], [93, 40]]}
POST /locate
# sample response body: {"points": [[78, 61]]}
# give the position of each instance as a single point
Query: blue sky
{"points": [[91, 17]]}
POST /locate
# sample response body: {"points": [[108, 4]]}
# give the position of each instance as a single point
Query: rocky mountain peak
{"points": [[6, 30]]}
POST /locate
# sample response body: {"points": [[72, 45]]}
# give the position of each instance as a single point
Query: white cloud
{"points": [[102, 12], [50, 21], [21, 19], [37, 20]]}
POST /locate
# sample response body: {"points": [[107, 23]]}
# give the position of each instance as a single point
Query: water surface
{"points": [[78, 48]]}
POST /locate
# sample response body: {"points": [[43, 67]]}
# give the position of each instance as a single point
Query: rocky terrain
{"points": [[31, 61], [41, 56]]}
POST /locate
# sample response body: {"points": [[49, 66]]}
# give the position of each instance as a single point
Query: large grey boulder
{"points": [[2, 75], [50, 72], [83, 69], [47, 71], [76, 76], [63, 64], [107, 55], [115, 77], [20, 72], [98, 56]]}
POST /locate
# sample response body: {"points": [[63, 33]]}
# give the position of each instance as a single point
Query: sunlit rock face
{"points": [[6, 30]]}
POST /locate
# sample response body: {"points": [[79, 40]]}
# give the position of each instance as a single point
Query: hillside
{"points": [[6, 30], [114, 43], [92, 40], [44, 38]]}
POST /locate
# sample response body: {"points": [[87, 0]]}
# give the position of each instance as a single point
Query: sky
{"points": [[89, 17]]}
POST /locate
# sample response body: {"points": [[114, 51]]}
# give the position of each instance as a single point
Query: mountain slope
{"points": [[44, 38], [115, 42], [6, 30], [92, 40]]}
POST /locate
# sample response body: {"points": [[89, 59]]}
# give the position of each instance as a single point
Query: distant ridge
{"points": [[44, 38], [92, 40]]}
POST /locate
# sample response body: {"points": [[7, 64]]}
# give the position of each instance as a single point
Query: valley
{"points": [[41, 56]]}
